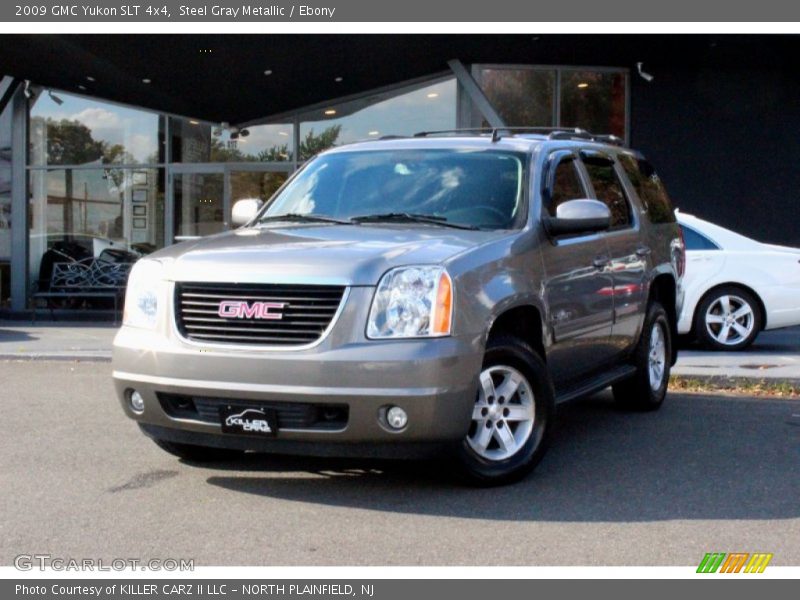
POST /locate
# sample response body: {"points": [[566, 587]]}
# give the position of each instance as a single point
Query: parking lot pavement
{"points": [[775, 355], [703, 474], [56, 340]]}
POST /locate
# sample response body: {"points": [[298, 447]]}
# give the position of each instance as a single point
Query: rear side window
{"points": [[566, 185], [649, 188], [608, 189], [697, 241]]}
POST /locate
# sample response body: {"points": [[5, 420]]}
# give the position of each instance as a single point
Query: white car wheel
{"points": [[728, 319]]}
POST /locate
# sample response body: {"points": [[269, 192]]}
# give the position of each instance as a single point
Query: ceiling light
{"points": [[146, 80], [583, 85], [55, 98], [82, 87], [268, 72], [373, 133], [89, 78], [193, 122], [339, 79], [283, 133], [433, 95], [330, 111]]}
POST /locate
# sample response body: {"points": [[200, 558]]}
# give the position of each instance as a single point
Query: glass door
{"points": [[199, 205], [255, 184], [202, 194]]}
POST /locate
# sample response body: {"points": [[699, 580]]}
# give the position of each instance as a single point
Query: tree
{"points": [[276, 153], [71, 143], [314, 144], [220, 152]]}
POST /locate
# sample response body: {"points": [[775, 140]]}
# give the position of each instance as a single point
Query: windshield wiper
{"points": [[409, 217], [309, 218]]}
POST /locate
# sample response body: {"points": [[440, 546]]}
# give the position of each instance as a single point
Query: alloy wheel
{"points": [[730, 320], [504, 413], [657, 357]]}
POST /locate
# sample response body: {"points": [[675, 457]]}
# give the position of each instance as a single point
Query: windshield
{"points": [[481, 188]]}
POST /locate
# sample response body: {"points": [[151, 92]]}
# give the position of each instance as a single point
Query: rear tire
{"points": [[512, 416], [728, 318], [194, 453], [648, 387]]}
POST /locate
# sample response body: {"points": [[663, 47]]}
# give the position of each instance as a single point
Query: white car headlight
{"points": [[412, 302], [142, 294]]}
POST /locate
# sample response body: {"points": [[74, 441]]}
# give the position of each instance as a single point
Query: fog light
{"points": [[396, 417], [137, 402]]}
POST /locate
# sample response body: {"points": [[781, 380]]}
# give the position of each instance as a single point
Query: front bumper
{"points": [[433, 380]]}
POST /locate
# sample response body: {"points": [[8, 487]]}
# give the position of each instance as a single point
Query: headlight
{"points": [[141, 295], [412, 302]]}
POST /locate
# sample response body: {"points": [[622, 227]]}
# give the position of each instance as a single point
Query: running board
{"points": [[594, 385]]}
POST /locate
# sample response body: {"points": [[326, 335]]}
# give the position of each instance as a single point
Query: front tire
{"points": [[193, 453], [728, 318], [512, 416], [647, 389]]}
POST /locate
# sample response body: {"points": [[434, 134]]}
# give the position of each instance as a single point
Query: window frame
{"points": [[633, 222], [644, 206], [716, 247], [552, 162]]}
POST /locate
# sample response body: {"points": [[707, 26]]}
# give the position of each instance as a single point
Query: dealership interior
{"points": [[134, 142]]}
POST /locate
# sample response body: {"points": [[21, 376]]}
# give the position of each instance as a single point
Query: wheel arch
{"points": [[663, 289], [523, 321]]}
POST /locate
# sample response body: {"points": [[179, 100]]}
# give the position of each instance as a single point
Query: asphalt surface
{"points": [[704, 474], [775, 355]]}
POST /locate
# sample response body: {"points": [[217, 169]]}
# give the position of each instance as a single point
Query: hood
{"points": [[312, 253]]}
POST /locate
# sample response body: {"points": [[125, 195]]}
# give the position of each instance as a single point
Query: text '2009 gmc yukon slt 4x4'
{"points": [[399, 296]]}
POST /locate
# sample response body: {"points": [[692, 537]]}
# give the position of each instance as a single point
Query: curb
{"points": [[728, 380]]}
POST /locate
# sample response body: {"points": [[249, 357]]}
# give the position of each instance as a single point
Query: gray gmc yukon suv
{"points": [[409, 295]]}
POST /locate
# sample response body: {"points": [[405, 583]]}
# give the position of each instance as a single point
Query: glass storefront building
{"points": [[103, 175]]}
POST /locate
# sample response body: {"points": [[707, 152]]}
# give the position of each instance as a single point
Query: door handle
{"points": [[600, 262], [643, 251]]}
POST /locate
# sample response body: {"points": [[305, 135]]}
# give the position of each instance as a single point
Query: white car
{"points": [[735, 287]]}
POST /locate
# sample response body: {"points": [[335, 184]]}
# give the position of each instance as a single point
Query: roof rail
{"points": [[462, 131], [553, 133]]}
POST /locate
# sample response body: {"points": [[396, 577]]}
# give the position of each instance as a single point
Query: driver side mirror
{"points": [[579, 216], [244, 210]]}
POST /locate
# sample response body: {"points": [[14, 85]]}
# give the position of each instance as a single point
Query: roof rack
{"points": [[553, 133]]}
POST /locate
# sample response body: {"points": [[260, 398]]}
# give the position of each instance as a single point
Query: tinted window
{"points": [[482, 189], [566, 185], [649, 188], [695, 241], [608, 189], [594, 101], [521, 96]]}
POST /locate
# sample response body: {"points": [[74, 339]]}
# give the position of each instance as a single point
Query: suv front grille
{"points": [[306, 312]]}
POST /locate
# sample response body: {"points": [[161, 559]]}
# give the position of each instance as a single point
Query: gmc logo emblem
{"points": [[241, 309]]}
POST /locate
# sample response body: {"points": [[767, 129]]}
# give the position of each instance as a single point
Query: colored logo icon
{"points": [[734, 562]]}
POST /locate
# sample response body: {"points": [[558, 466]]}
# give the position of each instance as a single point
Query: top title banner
{"points": [[402, 11]]}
